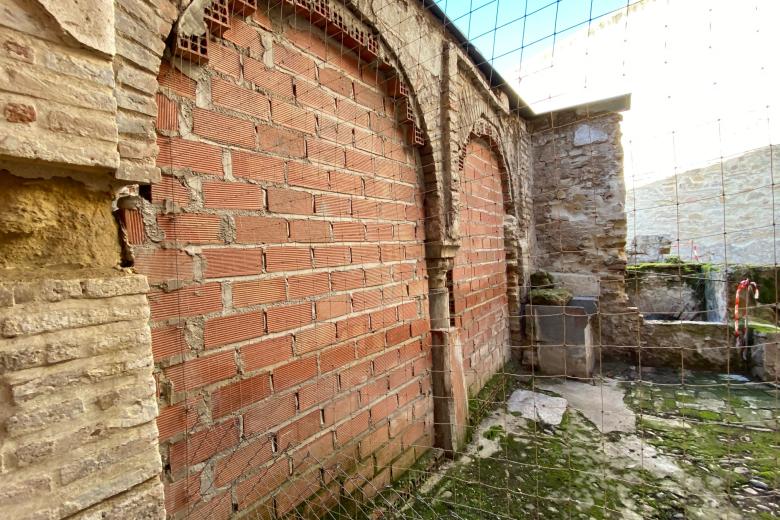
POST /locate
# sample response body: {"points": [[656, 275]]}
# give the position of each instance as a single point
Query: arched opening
{"points": [[479, 302], [284, 245]]}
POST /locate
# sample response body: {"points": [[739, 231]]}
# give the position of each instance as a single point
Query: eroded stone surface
{"points": [[601, 403], [57, 222], [78, 405]]}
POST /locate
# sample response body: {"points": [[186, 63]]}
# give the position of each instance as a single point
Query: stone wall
{"points": [[725, 210], [668, 291], [579, 208], [691, 345], [579, 203], [78, 405]]}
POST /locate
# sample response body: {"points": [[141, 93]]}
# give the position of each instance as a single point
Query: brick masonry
{"points": [[479, 278], [296, 248], [289, 290]]}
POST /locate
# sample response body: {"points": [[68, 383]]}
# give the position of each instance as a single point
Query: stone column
{"points": [[450, 400]]}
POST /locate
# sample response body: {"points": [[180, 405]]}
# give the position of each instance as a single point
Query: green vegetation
{"points": [[541, 280], [559, 297], [757, 325], [561, 473], [710, 437]]}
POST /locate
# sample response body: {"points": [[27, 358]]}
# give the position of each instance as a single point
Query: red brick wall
{"points": [[289, 314], [479, 298]]}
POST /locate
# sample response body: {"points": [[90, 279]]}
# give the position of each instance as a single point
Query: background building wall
{"points": [[686, 214], [685, 64]]}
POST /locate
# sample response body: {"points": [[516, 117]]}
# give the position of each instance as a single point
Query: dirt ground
{"points": [[662, 445]]}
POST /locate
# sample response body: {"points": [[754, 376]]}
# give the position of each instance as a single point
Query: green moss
{"points": [[496, 390], [494, 432], [559, 297], [716, 443], [542, 474], [565, 472], [664, 267], [757, 325], [541, 280]]}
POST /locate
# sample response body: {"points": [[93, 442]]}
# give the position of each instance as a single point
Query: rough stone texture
{"points": [[78, 435], [689, 344], [770, 366], [704, 215], [579, 199], [537, 407], [84, 71], [57, 222], [580, 218], [69, 89], [667, 292]]}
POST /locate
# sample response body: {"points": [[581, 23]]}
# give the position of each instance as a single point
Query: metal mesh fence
{"points": [[296, 303]]}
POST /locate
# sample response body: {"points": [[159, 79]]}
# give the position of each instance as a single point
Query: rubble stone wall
{"points": [[579, 201], [580, 218]]}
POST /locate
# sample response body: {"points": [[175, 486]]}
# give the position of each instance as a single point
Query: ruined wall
{"points": [[479, 287], [580, 218], [579, 202], [291, 186], [78, 436], [668, 291]]}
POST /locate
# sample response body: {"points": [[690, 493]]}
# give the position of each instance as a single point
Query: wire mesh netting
{"points": [[608, 362]]}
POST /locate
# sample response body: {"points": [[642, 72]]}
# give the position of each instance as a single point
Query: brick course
{"points": [[303, 274], [479, 289]]}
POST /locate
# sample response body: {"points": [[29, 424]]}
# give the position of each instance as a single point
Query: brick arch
{"points": [[289, 302], [479, 302], [484, 129]]}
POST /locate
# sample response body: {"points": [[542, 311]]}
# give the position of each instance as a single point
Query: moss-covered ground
{"points": [[705, 446]]}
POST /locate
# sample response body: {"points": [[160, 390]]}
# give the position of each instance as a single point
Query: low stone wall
{"points": [[78, 436], [771, 358], [667, 291], [692, 345]]}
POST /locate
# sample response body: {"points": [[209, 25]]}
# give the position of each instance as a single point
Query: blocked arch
{"points": [[479, 292], [484, 129], [415, 320]]}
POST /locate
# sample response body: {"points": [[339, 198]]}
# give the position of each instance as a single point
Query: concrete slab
{"points": [[537, 407], [602, 403]]}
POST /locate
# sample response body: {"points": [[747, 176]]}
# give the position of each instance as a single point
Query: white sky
{"points": [[704, 77]]}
